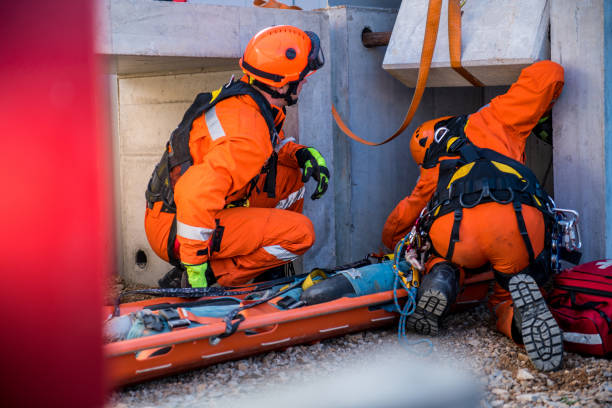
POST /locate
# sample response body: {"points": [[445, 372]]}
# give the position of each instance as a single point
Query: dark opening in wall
{"points": [[141, 259]]}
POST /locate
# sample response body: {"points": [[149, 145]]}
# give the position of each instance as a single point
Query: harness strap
{"points": [[454, 233], [522, 228], [172, 259]]}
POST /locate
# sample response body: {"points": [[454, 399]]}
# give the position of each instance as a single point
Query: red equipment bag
{"points": [[581, 302]]}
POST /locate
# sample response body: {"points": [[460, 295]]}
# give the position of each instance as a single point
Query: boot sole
{"points": [[542, 336], [428, 312]]}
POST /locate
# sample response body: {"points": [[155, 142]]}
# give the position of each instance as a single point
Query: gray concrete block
{"points": [[135, 173], [499, 38], [144, 129], [141, 27], [578, 117]]}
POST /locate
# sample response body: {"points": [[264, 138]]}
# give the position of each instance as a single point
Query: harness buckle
{"points": [[504, 201]]}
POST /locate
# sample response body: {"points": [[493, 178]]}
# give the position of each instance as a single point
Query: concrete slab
{"points": [[579, 120], [499, 38]]}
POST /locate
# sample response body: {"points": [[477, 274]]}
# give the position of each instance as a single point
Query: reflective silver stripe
{"points": [[214, 126], [582, 338], [146, 370], [293, 197], [283, 142], [196, 233], [280, 253]]}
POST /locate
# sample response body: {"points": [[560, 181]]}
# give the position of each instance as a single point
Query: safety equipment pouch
{"points": [[581, 302]]}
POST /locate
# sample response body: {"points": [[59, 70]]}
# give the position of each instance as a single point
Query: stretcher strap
{"points": [[429, 44]]}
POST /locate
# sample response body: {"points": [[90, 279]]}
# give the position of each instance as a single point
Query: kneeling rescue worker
{"points": [[225, 201], [484, 208]]}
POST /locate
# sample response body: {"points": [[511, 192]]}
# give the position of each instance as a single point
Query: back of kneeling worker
{"points": [[485, 208], [225, 202]]}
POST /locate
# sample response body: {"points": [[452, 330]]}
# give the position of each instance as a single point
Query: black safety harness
{"points": [[176, 158], [470, 176]]}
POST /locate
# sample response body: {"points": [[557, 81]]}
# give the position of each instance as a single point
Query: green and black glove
{"points": [[313, 165], [196, 275]]}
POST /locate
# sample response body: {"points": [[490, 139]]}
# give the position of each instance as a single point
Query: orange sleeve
{"points": [[404, 215], [286, 155], [505, 123], [230, 162]]}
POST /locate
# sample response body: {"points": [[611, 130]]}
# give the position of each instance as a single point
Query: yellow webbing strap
{"points": [[310, 279]]}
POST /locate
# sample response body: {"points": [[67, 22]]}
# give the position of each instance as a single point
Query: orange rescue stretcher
{"points": [[185, 334]]}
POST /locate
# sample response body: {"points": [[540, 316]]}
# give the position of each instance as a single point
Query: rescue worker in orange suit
{"points": [[231, 208], [484, 208]]}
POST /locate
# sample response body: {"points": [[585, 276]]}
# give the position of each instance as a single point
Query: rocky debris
{"points": [[467, 340]]}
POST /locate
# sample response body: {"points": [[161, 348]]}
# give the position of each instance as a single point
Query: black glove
{"points": [[313, 165]]}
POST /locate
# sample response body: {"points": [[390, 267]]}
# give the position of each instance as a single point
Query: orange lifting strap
{"points": [[429, 44]]}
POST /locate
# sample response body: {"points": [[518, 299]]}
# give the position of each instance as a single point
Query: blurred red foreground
{"points": [[55, 208]]}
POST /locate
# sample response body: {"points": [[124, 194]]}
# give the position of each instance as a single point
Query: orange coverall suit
{"points": [[489, 232], [230, 144]]}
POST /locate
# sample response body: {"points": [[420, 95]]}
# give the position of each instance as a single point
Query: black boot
{"points": [[438, 291], [276, 272], [539, 330], [172, 279]]}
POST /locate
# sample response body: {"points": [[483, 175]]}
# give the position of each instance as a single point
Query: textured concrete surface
{"points": [[370, 181], [499, 38], [580, 141]]}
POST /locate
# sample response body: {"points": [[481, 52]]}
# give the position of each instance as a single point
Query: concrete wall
{"points": [[163, 56], [309, 4], [581, 173], [608, 120], [370, 181], [149, 109]]}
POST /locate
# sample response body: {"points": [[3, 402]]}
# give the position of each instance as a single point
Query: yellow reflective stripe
{"points": [[506, 169], [450, 142], [537, 201], [461, 172], [437, 211]]}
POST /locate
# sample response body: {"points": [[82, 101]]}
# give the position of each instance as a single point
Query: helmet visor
{"points": [[316, 59]]}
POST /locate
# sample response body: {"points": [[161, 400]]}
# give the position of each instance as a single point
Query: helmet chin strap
{"points": [[287, 96]]}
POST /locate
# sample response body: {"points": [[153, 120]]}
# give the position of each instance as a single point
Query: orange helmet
{"points": [[282, 55], [422, 138]]}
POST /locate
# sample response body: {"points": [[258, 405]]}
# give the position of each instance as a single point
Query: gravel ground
{"points": [[468, 341]]}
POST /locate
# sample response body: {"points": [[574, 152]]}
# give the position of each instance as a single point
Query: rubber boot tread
{"points": [[542, 336], [428, 312]]}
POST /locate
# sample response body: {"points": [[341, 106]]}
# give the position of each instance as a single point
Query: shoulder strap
{"points": [[178, 145]]}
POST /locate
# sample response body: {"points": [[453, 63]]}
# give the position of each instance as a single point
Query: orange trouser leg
{"points": [[489, 233], [500, 303], [289, 196], [256, 239], [289, 191], [157, 228], [271, 232]]}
